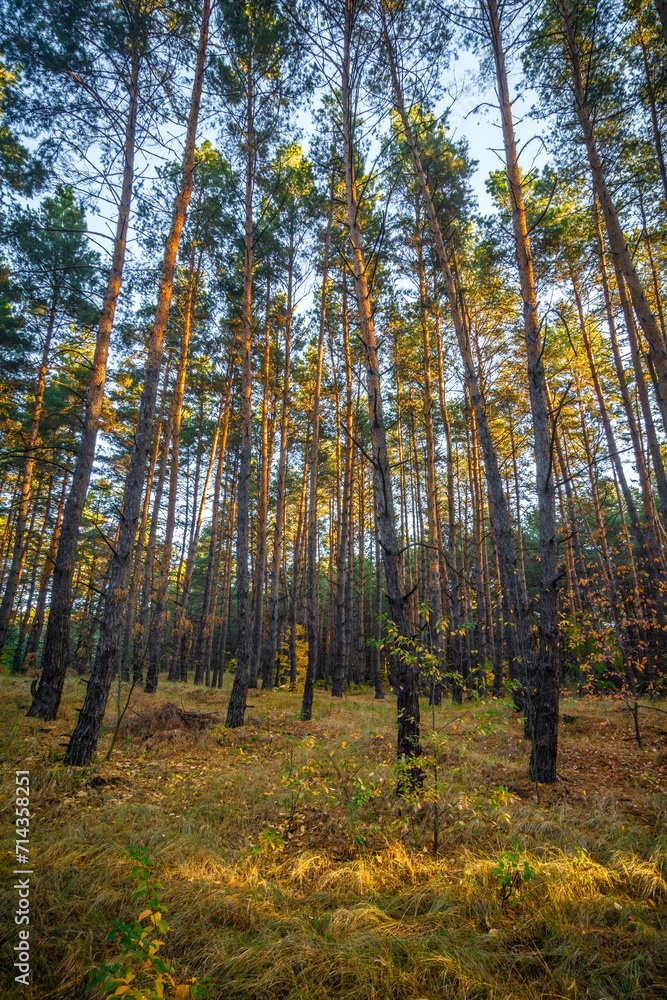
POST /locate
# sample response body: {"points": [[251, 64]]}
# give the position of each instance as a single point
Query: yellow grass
{"points": [[291, 870]]}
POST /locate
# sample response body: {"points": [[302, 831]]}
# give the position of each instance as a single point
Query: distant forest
{"points": [[276, 399]]}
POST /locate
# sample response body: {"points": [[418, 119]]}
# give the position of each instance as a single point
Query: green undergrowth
{"points": [[291, 870]]}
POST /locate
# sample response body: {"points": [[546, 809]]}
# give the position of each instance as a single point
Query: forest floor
{"points": [[290, 869]]}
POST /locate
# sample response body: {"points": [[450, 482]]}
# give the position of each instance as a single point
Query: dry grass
{"points": [[292, 871]]}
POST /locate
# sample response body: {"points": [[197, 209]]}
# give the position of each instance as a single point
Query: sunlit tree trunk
{"points": [[226, 583], [434, 590], [207, 616], [263, 475], [516, 632], [452, 567], [338, 672], [296, 571], [46, 697], [175, 415], [544, 721], [377, 636], [35, 635], [20, 542], [269, 666], [139, 547], [478, 530], [84, 739], [25, 617], [620, 251], [220, 434]]}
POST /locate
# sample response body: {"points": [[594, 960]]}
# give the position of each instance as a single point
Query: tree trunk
{"points": [[205, 632], [296, 572], [619, 249], [175, 414], [30, 658], [545, 708], [434, 589], [517, 630], [477, 504], [661, 8], [377, 636], [227, 580], [139, 548], [20, 542], [407, 682], [455, 664], [312, 593], [221, 425], [269, 666], [263, 474], [46, 698], [237, 701], [25, 617], [83, 743], [650, 93], [338, 671]]}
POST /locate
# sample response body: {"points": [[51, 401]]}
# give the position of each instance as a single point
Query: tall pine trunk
{"points": [[517, 636], [312, 591], [620, 251], [46, 697], [20, 541], [237, 701], [544, 714], [83, 743], [269, 665], [407, 681]]}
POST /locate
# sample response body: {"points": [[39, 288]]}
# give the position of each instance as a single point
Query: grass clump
{"points": [[142, 974]]}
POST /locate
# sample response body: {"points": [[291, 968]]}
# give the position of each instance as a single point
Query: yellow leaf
{"points": [[144, 914], [121, 991], [155, 917], [182, 993]]}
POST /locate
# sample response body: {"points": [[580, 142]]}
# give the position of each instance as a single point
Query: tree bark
{"points": [[25, 617], [46, 698], [434, 590], [220, 434], [263, 474], [237, 701], [312, 591], [83, 743], [407, 682], [30, 658], [139, 548], [205, 632], [517, 631], [339, 671], [617, 243], [269, 665], [20, 542], [544, 720], [296, 572], [175, 414], [661, 8]]}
